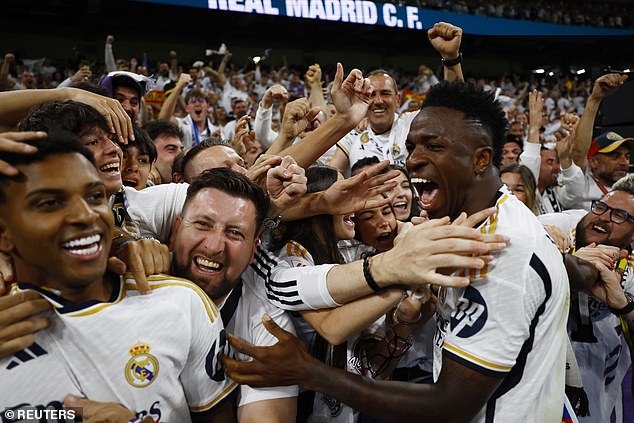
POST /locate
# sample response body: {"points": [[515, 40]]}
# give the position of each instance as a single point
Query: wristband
{"points": [[625, 310], [368, 275], [452, 62]]}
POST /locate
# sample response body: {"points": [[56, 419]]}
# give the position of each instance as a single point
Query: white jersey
{"points": [[245, 322], [191, 136], [510, 322], [597, 337], [157, 354], [387, 146]]}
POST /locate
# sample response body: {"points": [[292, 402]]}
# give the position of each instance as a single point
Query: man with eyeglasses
{"points": [[196, 126], [602, 236]]}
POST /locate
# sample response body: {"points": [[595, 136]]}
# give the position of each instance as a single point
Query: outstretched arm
{"points": [[351, 98], [603, 87], [288, 363], [167, 111]]}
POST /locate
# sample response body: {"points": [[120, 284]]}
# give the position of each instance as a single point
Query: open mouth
{"points": [[347, 220], [208, 265], [383, 237], [110, 168], [599, 229], [426, 190], [86, 246], [130, 183], [400, 205]]}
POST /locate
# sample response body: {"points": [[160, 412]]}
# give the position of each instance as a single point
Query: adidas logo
{"points": [[24, 356]]}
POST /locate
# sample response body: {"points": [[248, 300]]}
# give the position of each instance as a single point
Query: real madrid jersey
{"points": [[596, 335], [387, 146], [157, 354], [510, 322]]}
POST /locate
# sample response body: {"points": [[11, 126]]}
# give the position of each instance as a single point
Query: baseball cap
{"points": [[142, 83], [606, 143]]}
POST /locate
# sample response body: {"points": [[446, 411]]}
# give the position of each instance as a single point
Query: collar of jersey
{"points": [[64, 306]]}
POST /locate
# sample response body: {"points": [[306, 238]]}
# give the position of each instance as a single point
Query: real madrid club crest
{"points": [[142, 369], [396, 150], [365, 137]]}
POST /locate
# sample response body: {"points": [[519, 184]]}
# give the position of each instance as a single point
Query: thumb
{"points": [[338, 76], [116, 265], [76, 403], [274, 329]]}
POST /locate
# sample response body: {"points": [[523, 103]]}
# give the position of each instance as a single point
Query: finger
{"points": [[7, 169], [116, 122], [165, 262], [447, 281], [274, 329], [338, 81], [8, 348], [373, 203], [138, 271], [258, 172], [381, 189], [480, 216], [372, 171], [23, 310], [74, 402], [243, 347], [460, 219], [244, 372], [116, 265], [22, 329], [379, 179]]}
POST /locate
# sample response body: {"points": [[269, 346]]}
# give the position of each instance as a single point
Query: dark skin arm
{"points": [[288, 363]]}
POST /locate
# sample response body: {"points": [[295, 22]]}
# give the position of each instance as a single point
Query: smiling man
{"points": [[385, 136], [103, 342], [500, 342], [596, 333]]}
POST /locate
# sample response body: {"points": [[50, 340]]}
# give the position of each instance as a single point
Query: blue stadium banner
{"points": [[393, 15]]}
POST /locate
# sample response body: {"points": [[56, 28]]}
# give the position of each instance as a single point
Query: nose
{"points": [[213, 244], [111, 148], [416, 159], [80, 212]]}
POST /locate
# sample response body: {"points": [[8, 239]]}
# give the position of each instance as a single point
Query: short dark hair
{"points": [[67, 115], [197, 149], [143, 143], [364, 162], [126, 81], [232, 183], [475, 103], [58, 142], [156, 128], [194, 93]]}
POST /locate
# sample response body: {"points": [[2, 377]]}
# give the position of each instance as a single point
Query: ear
{"points": [[6, 240], [482, 159], [174, 231], [593, 162]]}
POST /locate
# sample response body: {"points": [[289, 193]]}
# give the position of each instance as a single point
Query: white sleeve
{"points": [[65, 83], [155, 208], [531, 158], [262, 126], [566, 220], [291, 288], [573, 186], [228, 131], [203, 377], [345, 145]]}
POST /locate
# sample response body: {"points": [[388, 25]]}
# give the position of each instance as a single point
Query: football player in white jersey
{"points": [[500, 343], [103, 341]]}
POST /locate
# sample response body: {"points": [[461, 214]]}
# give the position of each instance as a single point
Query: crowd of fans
{"points": [[471, 238], [596, 14]]}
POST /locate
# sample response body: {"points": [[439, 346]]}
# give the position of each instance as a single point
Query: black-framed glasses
{"points": [[617, 216]]}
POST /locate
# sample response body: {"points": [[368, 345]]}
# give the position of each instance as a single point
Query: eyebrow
{"points": [[59, 191]]}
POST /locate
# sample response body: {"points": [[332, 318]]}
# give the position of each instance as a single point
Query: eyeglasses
{"points": [[193, 100], [617, 216]]}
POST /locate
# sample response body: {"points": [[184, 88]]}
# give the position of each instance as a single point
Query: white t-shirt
{"points": [[157, 354], [510, 322], [189, 128], [230, 92], [596, 337], [246, 324], [387, 146]]}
